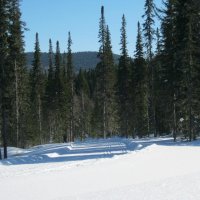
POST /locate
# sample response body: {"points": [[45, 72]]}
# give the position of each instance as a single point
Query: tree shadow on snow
{"points": [[80, 151], [66, 153]]}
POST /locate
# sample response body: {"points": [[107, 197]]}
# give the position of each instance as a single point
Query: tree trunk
{"points": [[104, 119], [4, 131], [83, 116], [40, 118], [72, 113], [153, 102], [17, 105], [174, 119]]}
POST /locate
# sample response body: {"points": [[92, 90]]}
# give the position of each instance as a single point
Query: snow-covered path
{"points": [[115, 169], [55, 157]]}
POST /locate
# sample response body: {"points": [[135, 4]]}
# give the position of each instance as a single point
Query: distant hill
{"points": [[85, 60]]}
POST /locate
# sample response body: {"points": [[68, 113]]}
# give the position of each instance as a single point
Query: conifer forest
{"points": [[153, 91]]}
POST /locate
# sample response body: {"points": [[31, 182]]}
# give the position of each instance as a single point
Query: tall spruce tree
{"points": [[37, 92], [148, 29], [101, 71], [4, 26], [171, 74], [159, 108], [139, 89], [20, 81], [49, 98], [110, 91], [105, 100], [59, 95], [70, 79], [123, 82]]}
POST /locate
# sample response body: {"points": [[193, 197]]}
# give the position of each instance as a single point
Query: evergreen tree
{"points": [[70, 79], [58, 77], [148, 29], [59, 96], [159, 108], [49, 101], [180, 66], [139, 89], [20, 82], [4, 26], [37, 91], [100, 100], [110, 91], [170, 73], [102, 33], [123, 83], [188, 58], [105, 100]]}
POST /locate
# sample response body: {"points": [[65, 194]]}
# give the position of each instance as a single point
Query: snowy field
{"points": [[112, 169]]}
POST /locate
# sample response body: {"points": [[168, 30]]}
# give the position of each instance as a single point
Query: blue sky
{"points": [[54, 18]]}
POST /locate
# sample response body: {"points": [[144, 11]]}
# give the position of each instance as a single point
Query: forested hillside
{"points": [[84, 60]]}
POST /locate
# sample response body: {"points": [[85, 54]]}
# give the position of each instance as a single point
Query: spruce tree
{"points": [[148, 29], [59, 96], [159, 108], [4, 26], [139, 89], [171, 74], [20, 81], [105, 100], [110, 91], [101, 86], [37, 92], [70, 81], [123, 83], [102, 33], [49, 98]]}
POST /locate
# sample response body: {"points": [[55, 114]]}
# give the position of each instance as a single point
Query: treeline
{"points": [[156, 92]]}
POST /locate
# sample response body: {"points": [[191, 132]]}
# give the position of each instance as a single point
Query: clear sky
{"points": [[54, 18]]}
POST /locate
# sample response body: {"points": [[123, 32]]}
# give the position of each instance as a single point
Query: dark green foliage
{"points": [[139, 86], [13, 76], [70, 85], [149, 33], [37, 92], [20, 89], [178, 62], [50, 98], [84, 105], [123, 83], [105, 102], [188, 58], [148, 27], [50, 89], [4, 70]]}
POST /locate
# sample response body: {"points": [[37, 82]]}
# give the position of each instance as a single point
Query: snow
{"points": [[112, 169]]}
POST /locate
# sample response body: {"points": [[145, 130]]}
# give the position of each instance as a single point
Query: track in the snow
{"points": [[78, 151]]}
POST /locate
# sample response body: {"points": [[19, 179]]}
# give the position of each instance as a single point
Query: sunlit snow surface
{"points": [[112, 169]]}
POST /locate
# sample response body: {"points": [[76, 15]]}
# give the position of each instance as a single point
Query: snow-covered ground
{"points": [[112, 169]]}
